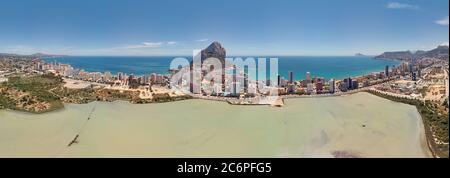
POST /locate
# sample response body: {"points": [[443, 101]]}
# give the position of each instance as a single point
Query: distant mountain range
{"points": [[441, 52], [36, 55], [40, 55], [7, 54]]}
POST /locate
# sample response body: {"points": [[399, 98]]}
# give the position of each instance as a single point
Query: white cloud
{"points": [[444, 44], [202, 40], [150, 45], [443, 21], [172, 43], [396, 5], [145, 45]]}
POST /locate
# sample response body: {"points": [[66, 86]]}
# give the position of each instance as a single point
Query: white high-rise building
{"points": [[332, 85], [309, 87], [107, 76], [120, 76]]}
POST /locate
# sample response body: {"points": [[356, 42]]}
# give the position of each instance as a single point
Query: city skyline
{"points": [[161, 28]]}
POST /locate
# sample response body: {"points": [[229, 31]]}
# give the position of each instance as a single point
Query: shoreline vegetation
{"points": [[45, 93], [31, 94], [435, 123]]}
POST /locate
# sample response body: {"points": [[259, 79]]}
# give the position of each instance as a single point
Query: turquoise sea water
{"points": [[328, 67]]}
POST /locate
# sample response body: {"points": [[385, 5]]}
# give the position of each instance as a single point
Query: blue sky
{"points": [[244, 27]]}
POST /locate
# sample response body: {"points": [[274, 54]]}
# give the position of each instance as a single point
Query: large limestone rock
{"points": [[214, 50]]}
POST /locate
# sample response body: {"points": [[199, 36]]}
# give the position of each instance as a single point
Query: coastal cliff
{"points": [[399, 55], [441, 52]]}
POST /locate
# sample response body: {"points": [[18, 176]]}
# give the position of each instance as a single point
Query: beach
{"points": [[357, 125]]}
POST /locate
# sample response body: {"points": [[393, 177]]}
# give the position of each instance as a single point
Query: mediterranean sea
{"points": [[338, 67]]}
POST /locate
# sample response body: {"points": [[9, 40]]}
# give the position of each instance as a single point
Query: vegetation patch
{"points": [[435, 121], [31, 93]]}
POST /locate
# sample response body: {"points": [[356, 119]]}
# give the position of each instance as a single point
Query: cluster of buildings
{"points": [[311, 85], [236, 85], [318, 85], [425, 78], [120, 79], [16, 63]]}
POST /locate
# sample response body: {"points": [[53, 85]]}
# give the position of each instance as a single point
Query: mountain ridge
{"points": [[441, 52]]}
